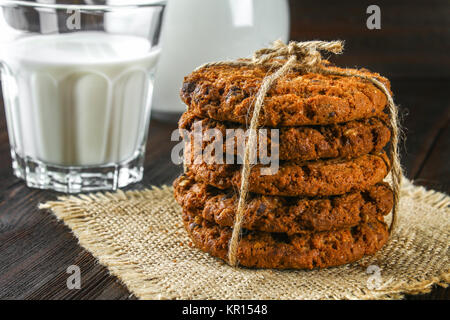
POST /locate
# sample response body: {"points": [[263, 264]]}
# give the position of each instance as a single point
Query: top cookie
{"points": [[227, 93]]}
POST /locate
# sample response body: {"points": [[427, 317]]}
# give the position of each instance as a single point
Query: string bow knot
{"points": [[304, 55]]}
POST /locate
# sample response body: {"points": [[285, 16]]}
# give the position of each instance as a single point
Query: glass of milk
{"points": [[77, 80]]}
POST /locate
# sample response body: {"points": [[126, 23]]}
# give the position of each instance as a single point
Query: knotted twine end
{"points": [[304, 56]]}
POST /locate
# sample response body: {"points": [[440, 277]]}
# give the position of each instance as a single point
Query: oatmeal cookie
{"points": [[288, 215], [227, 93], [281, 251], [308, 178], [346, 140]]}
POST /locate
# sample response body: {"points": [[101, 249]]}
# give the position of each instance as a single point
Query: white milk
{"points": [[81, 99]]}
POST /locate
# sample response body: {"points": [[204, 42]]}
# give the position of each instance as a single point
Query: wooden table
{"points": [[36, 249]]}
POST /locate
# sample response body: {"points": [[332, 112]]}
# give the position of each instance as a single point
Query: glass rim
{"points": [[93, 7]]}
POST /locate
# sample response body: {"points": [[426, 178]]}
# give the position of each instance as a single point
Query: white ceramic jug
{"points": [[199, 31]]}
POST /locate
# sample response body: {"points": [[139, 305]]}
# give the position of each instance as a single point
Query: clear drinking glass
{"points": [[77, 79]]}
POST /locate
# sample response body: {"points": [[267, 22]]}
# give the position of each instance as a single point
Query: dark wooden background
{"points": [[411, 49], [414, 39]]}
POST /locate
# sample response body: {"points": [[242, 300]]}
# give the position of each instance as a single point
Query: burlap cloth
{"points": [[138, 236]]}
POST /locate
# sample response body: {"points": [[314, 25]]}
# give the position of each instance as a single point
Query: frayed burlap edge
{"points": [[71, 210]]}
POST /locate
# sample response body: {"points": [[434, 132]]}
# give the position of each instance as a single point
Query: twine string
{"points": [[306, 57], [246, 168]]}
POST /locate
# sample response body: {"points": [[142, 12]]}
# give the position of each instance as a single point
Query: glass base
{"points": [[73, 179]]}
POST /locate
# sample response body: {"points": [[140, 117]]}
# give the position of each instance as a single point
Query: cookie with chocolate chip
{"points": [[227, 93], [290, 215], [292, 178], [345, 140], [281, 251]]}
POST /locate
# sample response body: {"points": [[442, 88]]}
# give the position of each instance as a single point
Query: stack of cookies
{"points": [[325, 205]]}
